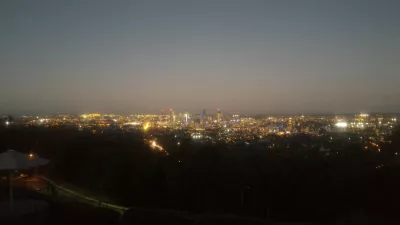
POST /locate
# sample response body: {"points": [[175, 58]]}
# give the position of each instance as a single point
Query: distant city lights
{"points": [[232, 129]]}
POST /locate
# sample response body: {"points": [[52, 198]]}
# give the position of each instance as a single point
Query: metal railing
{"points": [[95, 202]]}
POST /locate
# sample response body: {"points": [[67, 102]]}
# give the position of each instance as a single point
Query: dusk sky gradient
{"points": [[247, 56]]}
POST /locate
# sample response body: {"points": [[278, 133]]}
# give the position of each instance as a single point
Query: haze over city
{"points": [[287, 57]]}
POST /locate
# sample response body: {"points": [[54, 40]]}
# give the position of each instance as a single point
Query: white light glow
{"points": [[341, 124]]}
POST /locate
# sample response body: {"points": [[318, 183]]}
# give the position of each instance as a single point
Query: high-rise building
{"points": [[379, 120], [203, 116], [186, 117], [171, 116], [219, 116]]}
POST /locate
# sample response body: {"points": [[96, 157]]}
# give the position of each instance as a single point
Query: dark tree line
{"points": [[281, 184]]}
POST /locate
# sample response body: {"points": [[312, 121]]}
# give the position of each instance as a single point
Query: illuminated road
{"points": [[155, 146]]}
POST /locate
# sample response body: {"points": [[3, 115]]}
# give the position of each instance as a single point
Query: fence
{"points": [[96, 202]]}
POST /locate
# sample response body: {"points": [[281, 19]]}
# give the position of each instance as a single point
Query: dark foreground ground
{"points": [[352, 186], [60, 212], [66, 212]]}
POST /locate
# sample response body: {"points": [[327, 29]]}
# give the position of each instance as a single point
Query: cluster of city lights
{"points": [[197, 136]]}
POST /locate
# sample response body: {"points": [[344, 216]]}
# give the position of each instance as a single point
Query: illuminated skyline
{"points": [[248, 56]]}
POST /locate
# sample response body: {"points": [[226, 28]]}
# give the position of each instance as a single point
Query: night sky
{"points": [[240, 56]]}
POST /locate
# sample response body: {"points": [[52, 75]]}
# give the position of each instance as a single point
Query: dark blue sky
{"points": [[249, 56]]}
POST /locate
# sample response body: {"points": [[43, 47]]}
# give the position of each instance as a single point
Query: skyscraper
{"points": [[219, 116], [203, 115], [186, 117], [171, 116]]}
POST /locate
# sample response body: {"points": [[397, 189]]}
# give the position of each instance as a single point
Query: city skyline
{"points": [[253, 57], [210, 112]]}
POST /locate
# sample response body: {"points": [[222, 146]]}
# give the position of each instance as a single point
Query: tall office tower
{"points": [[219, 116], [204, 113], [186, 117], [171, 116], [203, 116], [379, 120]]}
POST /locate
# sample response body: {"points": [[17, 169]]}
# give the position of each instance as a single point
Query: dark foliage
{"points": [[280, 184]]}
